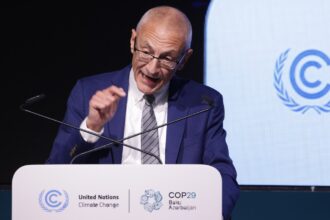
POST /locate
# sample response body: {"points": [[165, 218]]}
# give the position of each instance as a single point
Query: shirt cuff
{"points": [[89, 137]]}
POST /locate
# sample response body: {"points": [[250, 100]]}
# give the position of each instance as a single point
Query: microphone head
{"points": [[207, 100], [31, 100], [34, 99]]}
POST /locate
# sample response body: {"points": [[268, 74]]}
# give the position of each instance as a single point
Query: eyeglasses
{"points": [[164, 62]]}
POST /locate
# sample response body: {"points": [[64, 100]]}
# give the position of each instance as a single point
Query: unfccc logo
{"points": [[53, 200], [309, 78]]}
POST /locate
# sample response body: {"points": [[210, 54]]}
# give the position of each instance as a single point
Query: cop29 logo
{"points": [[305, 83], [53, 200], [151, 200]]}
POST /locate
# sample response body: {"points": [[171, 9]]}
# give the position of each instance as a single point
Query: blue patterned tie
{"points": [[149, 140]]}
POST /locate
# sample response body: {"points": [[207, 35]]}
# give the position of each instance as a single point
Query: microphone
{"points": [[32, 100], [208, 100], [205, 99], [39, 97]]}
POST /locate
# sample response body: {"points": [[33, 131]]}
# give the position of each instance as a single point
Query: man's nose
{"points": [[153, 66]]}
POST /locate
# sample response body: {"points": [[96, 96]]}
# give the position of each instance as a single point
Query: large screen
{"points": [[271, 62]]}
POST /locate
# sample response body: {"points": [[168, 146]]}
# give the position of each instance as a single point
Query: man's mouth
{"points": [[154, 79]]}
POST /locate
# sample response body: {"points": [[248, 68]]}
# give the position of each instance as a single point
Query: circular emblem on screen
{"points": [[308, 84], [151, 200], [53, 200]]}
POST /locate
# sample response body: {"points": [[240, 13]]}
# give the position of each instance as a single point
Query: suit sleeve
{"points": [[216, 154], [68, 141]]}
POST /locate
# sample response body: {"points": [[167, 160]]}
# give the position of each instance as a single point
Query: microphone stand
{"points": [[37, 98]]}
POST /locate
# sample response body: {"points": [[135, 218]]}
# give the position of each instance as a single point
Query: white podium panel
{"points": [[168, 192]]}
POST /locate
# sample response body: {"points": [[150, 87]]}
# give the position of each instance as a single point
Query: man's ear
{"points": [[185, 59], [132, 40]]}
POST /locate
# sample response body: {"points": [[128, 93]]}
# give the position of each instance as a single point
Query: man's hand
{"points": [[103, 106]]}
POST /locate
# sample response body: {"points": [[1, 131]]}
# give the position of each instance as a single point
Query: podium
{"points": [[162, 192]]}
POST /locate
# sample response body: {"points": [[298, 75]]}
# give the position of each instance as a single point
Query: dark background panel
{"points": [[46, 48], [274, 205]]}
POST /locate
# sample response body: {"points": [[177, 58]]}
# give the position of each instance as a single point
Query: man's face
{"points": [[151, 76]]}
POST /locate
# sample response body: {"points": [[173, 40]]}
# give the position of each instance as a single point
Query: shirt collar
{"points": [[160, 96]]}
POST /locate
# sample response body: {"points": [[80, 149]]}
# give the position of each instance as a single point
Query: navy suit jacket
{"points": [[197, 140]]}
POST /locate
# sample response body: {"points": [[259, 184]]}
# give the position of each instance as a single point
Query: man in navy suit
{"points": [[111, 104]]}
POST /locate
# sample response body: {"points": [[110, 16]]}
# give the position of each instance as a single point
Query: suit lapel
{"points": [[117, 124], [174, 131]]}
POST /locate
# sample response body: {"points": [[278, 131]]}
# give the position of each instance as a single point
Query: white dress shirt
{"points": [[135, 103]]}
